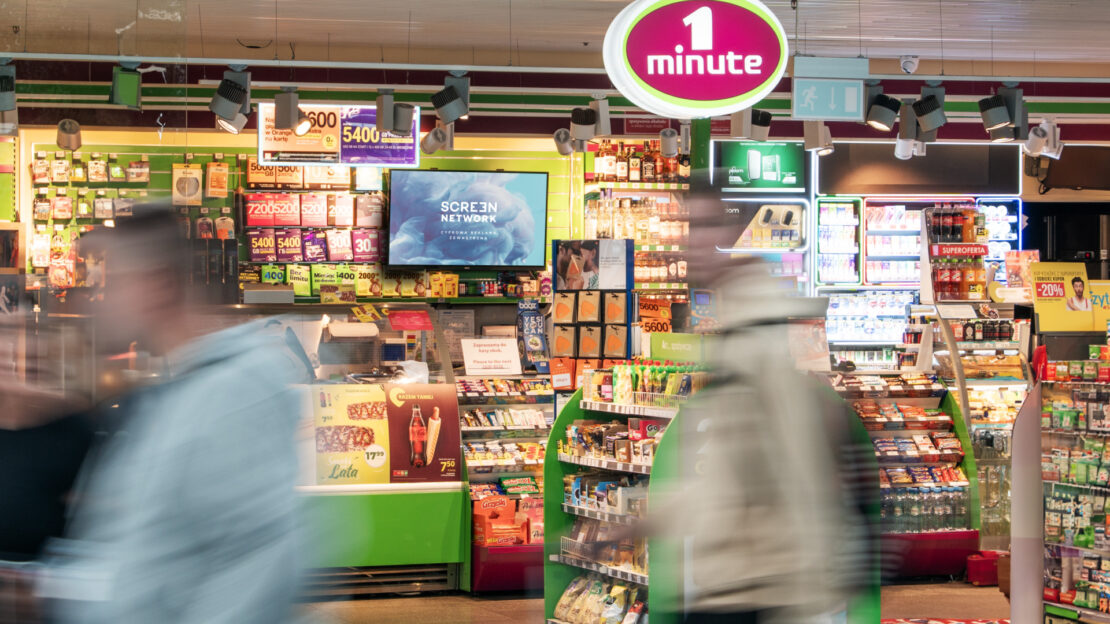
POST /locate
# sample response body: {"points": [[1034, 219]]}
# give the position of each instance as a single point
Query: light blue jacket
{"points": [[190, 516]]}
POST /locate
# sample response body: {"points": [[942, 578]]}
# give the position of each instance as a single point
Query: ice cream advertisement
{"points": [[384, 433], [467, 218]]}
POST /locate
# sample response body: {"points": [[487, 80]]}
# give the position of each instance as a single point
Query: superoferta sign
{"points": [[689, 59]]}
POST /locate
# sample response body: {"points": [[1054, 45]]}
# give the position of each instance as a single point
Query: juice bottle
{"points": [[968, 234], [972, 290]]}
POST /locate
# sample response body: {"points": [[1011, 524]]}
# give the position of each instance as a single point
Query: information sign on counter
{"points": [[386, 433], [491, 357], [340, 135]]}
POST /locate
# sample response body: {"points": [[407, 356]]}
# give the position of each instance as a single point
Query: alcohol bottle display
{"points": [[635, 163]]}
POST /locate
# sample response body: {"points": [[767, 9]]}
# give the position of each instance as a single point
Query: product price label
{"points": [[655, 326]]}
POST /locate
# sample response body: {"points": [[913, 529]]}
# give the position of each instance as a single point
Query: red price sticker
{"points": [[1049, 290]]}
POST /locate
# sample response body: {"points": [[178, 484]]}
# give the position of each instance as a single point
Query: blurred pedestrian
{"points": [[188, 514]]}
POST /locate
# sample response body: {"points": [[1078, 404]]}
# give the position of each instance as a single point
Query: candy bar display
{"points": [[593, 599], [473, 391], [504, 418], [632, 442], [649, 383], [877, 416], [503, 455], [621, 495], [909, 385]]}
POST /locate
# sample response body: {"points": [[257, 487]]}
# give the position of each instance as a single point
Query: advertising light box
{"points": [[340, 135], [759, 167]]}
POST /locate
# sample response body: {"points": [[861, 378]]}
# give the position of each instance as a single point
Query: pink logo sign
{"points": [[695, 58]]}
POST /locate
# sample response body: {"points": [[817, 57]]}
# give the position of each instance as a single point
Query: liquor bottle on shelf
{"points": [[649, 162], [589, 220], [635, 166], [605, 165], [622, 163], [683, 173]]}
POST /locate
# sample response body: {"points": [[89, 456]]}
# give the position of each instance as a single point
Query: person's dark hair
{"points": [[152, 237], [1076, 280]]}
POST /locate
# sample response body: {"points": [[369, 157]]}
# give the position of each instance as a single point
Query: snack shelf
{"points": [[630, 410], [617, 573], [538, 430], [903, 461], [606, 516], [641, 186], [995, 381], [901, 433], [902, 486], [497, 466], [1072, 432], [1092, 551], [1074, 611], [606, 464]]}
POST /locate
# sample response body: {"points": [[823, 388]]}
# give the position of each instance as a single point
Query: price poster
{"points": [[423, 433], [655, 316], [352, 434], [320, 145], [1062, 297], [340, 135], [386, 433]]}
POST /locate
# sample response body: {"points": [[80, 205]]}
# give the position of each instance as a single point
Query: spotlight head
{"points": [[604, 126], [1002, 134], [761, 125], [994, 112], [234, 125], [402, 119], [383, 111], [1053, 145], [909, 63], [818, 138], [583, 123], [434, 140], [126, 87], [907, 122], [232, 96], [883, 112], [460, 82], [750, 123], [668, 142], [288, 114], [581, 146], [1034, 145], [903, 148], [69, 135], [564, 142], [449, 105], [929, 111]]}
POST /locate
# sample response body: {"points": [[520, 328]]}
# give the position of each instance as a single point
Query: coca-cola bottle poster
{"points": [[352, 434], [423, 433]]}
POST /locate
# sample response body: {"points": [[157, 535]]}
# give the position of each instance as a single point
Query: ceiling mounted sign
{"points": [[690, 59]]}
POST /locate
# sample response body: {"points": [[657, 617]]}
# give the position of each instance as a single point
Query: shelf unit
{"points": [[664, 576], [512, 567]]}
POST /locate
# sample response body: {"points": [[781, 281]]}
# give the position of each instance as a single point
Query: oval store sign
{"points": [[695, 58]]}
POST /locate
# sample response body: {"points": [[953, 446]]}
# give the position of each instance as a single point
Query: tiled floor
{"points": [[947, 600]]}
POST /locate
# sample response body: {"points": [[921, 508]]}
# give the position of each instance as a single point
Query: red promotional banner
{"points": [[423, 433], [410, 320], [959, 249]]}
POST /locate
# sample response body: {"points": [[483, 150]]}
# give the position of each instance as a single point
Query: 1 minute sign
{"points": [[695, 58]]}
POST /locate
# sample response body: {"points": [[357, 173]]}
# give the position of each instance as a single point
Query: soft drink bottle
{"points": [[418, 438]]}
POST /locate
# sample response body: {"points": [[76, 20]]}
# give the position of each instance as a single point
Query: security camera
{"points": [[909, 63]]}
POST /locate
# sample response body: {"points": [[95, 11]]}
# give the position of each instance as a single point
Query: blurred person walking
{"points": [[189, 514], [772, 526]]}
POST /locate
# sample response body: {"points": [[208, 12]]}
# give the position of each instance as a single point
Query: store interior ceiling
{"points": [[565, 33]]}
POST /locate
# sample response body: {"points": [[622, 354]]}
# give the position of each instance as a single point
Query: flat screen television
{"points": [[477, 219]]}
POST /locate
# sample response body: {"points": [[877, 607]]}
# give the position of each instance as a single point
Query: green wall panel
{"points": [[387, 529]]}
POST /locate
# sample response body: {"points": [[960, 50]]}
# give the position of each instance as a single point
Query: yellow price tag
{"points": [[366, 313]]}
